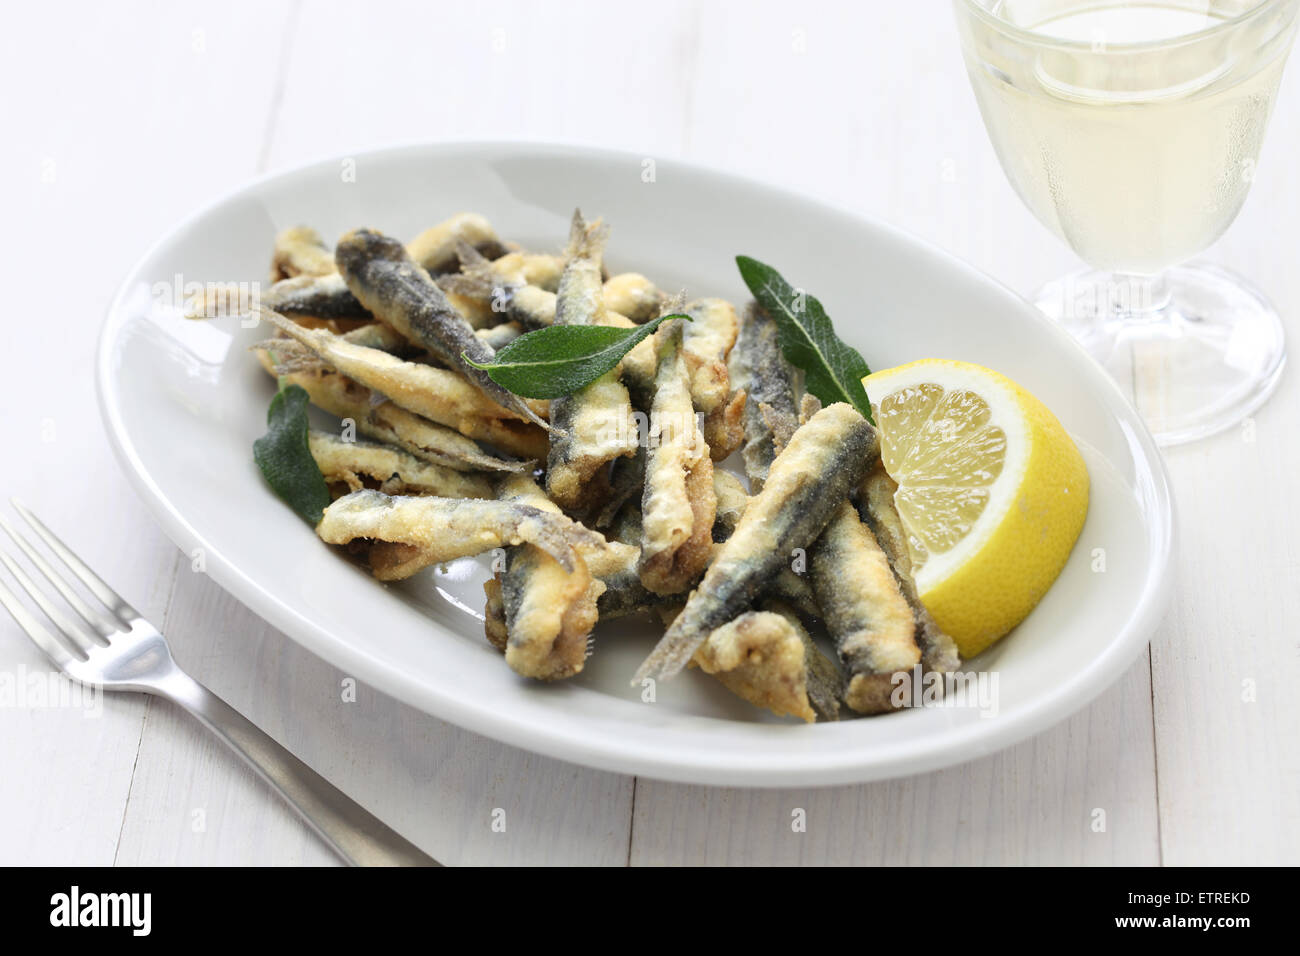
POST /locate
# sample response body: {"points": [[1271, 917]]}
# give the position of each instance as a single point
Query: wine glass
{"points": [[1132, 130]]}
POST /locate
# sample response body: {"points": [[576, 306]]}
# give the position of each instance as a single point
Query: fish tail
{"points": [[291, 329], [476, 280], [671, 654], [470, 258], [586, 239]]}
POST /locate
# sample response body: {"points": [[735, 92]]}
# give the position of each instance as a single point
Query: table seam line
{"points": [[281, 82], [1155, 756]]}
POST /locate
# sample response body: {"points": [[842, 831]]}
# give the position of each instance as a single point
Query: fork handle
{"points": [[352, 832]]}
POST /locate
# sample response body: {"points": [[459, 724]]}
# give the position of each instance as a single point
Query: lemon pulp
{"points": [[992, 492]]}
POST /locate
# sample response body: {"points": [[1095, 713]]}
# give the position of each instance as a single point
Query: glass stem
{"points": [[1138, 298]]}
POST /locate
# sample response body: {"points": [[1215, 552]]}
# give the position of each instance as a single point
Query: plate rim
{"points": [[683, 765]]}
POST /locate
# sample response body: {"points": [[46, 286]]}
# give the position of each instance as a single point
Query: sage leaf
{"points": [[832, 370], [285, 458], [563, 359]]}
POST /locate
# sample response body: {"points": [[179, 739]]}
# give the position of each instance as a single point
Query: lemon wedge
{"points": [[992, 492]]}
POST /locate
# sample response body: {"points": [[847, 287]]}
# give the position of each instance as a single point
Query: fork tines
{"points": [[93, 625]]}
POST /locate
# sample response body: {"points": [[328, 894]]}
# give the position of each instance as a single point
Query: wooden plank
{"points": [[887, 126], [872, 111], [116, 131], [1041, 802], [1227, 659], [501, 73], [448, 790]]}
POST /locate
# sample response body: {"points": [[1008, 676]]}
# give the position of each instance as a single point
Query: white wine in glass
{"points": [[1133, 130]]}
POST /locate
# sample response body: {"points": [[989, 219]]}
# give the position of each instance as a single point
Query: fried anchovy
{"points": [[771, 413], [678, 504], [825, 681], [637, 369], [324, 297], [793, 589], [416, 433], [400, 293], [732, 500], [547, 612], [633, 295], [494, 615], [876, 499], [398, 471], [627, 479], [627, 595], [865, 611], [624, 592], [626, 526], [382, 420], [788, 586], [376, 335], [593, 426], [499, 336], [520, 286], [724, 427], [412, 533], [318, 300], [503, 291], [810, 405], [767, 658], [814, 473], [540, 269], [533, 307], [300, 251], [437, 394], [612, 563], [434, 250], [706, 344]]}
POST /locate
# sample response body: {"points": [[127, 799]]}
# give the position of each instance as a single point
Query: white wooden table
{"points": [[121, 120]]}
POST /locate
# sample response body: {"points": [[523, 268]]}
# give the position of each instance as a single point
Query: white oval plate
{"points": [[183, 402]]}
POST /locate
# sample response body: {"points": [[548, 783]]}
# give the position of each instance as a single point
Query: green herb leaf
{"points": [[833, 371], [562, 359], [285, 459]]}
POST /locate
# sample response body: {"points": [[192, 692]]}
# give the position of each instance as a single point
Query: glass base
{"points": [[1197, 348]]}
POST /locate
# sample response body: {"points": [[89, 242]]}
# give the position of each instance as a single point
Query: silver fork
{"points": [[115, 648]]}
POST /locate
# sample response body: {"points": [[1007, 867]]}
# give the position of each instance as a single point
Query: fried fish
{"points": [[378, 418], [865, 612], [300, 251], [812, 476], [633, 295], [876, 501], [401, 294], [771, 413], [396, 471], [408, 534], [547, 612], [678, 504], [767, 658], [434, 250], [593, 426], [438, 394]]}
